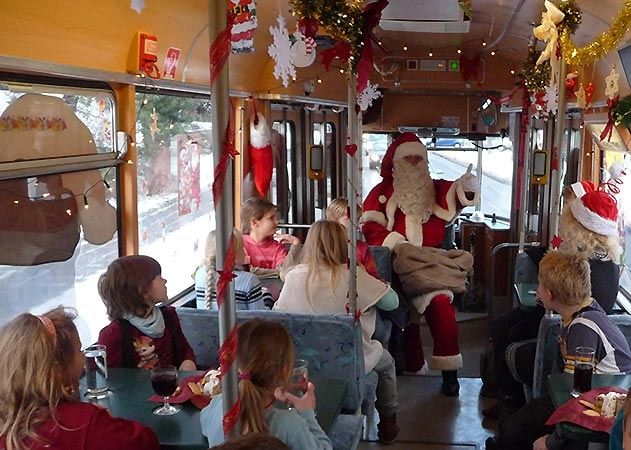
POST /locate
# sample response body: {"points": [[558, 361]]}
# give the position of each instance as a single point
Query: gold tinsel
{"points": [[603, 44]]}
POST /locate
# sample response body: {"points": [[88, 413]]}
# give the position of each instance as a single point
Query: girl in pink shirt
{"points": [[268, 258]]}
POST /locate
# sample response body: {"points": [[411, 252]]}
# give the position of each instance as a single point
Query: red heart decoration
{"points": [[589, 92]]}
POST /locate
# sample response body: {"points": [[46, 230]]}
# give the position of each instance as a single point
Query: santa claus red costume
{"points": [[408, 206]]}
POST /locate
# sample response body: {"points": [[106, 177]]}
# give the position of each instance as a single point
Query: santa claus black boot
{"points": [[450, 386]]}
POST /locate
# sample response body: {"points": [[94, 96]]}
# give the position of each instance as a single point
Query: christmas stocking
{"points": [[261, 158]]}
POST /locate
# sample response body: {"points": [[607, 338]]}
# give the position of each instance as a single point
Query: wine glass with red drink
{"points": [[299, 378], [164, 383]]}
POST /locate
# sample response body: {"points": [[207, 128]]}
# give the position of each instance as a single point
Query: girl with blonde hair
{"points": [[40, 366], [320, 285], [248, 292], [265, 361]]}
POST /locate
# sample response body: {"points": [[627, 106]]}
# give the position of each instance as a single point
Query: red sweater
{"points": [[148, 352], [84, 426]]}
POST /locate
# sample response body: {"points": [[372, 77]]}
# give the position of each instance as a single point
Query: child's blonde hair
{"points": [[325, 249], [265, 360], [210, 260], [254, 208], [36, 356], [567, 276], [578, 239], [124, 283], [338, 209]]}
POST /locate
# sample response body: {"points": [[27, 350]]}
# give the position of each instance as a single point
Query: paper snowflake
{"points": [[612, 83], [552, 98], [367, 96], [280, 51]]}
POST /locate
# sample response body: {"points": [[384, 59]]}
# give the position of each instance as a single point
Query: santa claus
{"points": [[408, 207]]}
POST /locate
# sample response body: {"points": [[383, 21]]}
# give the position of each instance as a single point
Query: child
{"points": [[338, 211], [269, 258], [141, 334], [565, 287], [320, 285], [265, 361], [248, 292], [40, 365]]}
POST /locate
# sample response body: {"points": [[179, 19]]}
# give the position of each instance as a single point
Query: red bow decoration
{"points": [[556, 242], [340, 50], [469, 68], [371, 17], [220, 50], [611, 103]]}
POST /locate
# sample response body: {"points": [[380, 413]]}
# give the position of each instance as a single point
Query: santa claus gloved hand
{"points": [[469, 182]]}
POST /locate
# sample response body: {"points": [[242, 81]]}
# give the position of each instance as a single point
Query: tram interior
{"points": [[446, 70]]}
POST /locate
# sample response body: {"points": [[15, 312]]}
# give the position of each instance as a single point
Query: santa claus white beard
{"points": [[413, 189]]}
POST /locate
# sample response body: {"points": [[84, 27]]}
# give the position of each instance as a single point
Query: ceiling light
{"points": [[405, 48], [431, 53], [459, 51], [483, 43], [492, 52]]}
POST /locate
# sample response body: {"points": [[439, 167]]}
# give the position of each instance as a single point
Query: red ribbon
{"points": [[611, 103], [231, 418], [351, 149], [220, 50], [340, 50], [229, 152], [554, 163], [226, 275], [371, 17], [228, 352]]}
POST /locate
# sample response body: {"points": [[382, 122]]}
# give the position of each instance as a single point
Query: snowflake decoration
{"points": [[612, 83], [552, 98], [280, 51], [367, 96]]}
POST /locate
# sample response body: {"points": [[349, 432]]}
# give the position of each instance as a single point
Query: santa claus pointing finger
{"points": [[408, 207]]}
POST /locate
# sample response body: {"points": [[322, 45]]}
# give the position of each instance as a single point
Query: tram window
{"points": [[44, 227], [175, 174], [23, 109]]}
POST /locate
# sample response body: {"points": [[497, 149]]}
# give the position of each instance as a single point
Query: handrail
{"points": [[491, 291], [294, 225]]}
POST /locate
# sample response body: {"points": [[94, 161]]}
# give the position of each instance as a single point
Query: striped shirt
{"points": [[590, 327], [248, 292]]}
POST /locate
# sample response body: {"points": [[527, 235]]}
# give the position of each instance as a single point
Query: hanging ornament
{"points": [[261, 155], [589, 93], [153, 126], [552, 98], [611, 89], [581, 102], [302, 49], [368, 95], [244, 25], [138, 5], [308, 26], [536, 77], [571, 83], [280, 51]]}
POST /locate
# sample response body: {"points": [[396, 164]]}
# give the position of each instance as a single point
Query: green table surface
{"points": [[131, 388], [526, 294], [560, 385]]}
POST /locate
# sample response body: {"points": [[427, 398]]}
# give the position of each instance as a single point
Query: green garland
{"points": [[621, 114], [536, 77], [572, 18], [342, 20]]}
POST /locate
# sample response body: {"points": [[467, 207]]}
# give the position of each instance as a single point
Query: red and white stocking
{"points": [[261, 157]]}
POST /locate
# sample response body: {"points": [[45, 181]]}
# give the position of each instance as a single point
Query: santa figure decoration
{"points": [[408, 207], [261, 157]]}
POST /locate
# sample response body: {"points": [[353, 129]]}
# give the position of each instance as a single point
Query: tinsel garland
{"points": [[467, 7], [536, 77], [572, 18], [603, 44], [621, 113], [341, 19]]}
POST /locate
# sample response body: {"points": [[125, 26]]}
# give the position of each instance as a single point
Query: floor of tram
{"points": [[431, 421]]}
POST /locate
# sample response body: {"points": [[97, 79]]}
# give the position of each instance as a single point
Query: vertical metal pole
{"points": [[525, 185], [478, 145], [220, 102], [351, 169], [555, 173]]}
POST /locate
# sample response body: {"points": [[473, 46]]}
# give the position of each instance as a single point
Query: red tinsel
{"points": [[220, 50], [226, 275], [229, 152]]}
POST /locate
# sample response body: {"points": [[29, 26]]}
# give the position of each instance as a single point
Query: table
{"points": [[526, 294], [130, 389], [560, 385]]}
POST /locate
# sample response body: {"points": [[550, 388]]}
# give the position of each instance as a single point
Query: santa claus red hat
{"points": [[597, 211], [387, 161]]}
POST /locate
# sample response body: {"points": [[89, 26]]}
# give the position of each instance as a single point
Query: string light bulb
{"points": [[483, 43], [459, 50], [492, 52], [69, 212], [431, 53], [85, 201], [107, 185], [319, 80], [405, 48]]}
